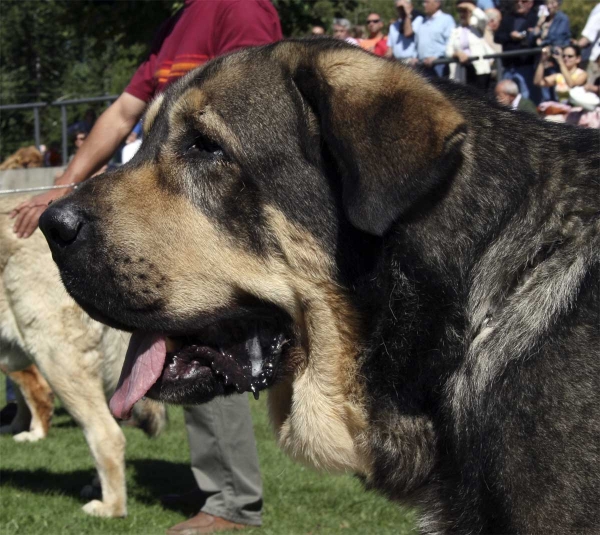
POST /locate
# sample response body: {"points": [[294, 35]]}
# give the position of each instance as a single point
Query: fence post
{"points": [[63, 116], [36, 126]]}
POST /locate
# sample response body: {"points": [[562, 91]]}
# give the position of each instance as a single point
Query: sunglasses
{"points": [[524, 1], [568, 56], [373, 21]]}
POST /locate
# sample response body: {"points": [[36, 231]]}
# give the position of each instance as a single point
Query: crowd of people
{"points": [[441, 46], [549, 66]]}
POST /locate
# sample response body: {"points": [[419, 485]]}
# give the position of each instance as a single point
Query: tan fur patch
{"points": [[152, 113], [361, 81], [319, 415]]}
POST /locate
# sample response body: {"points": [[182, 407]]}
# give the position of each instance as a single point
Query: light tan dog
{"points": [[24, 158], [79, 358]]}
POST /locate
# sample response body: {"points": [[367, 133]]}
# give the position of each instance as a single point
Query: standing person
{"points": [[341, 30], [466, 41], [554, 28], [432, 37], [222, 447], [513, 34], [494, 18], [401, 36], [590, 36], [376, 42], [80, 136]]}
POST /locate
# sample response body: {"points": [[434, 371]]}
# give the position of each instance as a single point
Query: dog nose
{"points": [[62, 225]]}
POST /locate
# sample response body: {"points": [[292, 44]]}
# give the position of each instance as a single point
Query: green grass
{"points": [[40, 485]]}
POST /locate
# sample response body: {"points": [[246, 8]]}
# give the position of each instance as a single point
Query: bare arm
{"points": [[582, 42], [538, 79], [570, 79], [110, 130]]}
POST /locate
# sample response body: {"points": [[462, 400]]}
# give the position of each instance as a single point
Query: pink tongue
{"points": [[143, 365]]}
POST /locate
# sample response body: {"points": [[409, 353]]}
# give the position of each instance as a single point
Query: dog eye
{"points": [[204, 147]]}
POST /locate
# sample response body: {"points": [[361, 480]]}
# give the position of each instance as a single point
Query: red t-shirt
{"points": [[199, 32]]}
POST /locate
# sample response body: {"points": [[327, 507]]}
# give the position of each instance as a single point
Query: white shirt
{"points": [[592, 32], [515, 103]]}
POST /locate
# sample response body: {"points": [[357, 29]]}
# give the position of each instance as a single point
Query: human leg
{"points": [[224, 459]]}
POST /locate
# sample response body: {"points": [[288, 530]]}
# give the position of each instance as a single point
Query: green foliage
{"points": [[57, 49], [297, 16]]}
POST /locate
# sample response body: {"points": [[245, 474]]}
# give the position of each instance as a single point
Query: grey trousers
{"points": [[224, 458]]}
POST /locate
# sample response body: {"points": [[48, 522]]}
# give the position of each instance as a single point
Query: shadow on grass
{"points": [[45, 482], [153, 479]]}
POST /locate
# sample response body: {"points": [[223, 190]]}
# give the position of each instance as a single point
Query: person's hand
{"points": [[408, 7], [428, 62], [517, 36], [412, 61], [27, 214], [462, 57], [466, 5], [545, 53], [557, 54]]}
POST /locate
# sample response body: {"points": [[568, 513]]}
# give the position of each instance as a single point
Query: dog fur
{"points": [[35, 405], [437, 255], [80, 359]]}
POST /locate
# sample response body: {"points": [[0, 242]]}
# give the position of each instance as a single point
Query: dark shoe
{"points": [[203, 523], [194, 498], [8, 413]]}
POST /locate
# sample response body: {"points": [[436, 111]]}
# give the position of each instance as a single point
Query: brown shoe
{"points": [[203, 523]]}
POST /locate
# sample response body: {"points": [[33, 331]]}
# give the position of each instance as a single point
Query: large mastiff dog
{"points": [[411, 269]]}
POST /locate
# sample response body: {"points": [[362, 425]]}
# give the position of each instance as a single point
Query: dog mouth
{"points": [[228, 356]]}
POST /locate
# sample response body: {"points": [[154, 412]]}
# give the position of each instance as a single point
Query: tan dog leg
{"points": [[86, 403]]}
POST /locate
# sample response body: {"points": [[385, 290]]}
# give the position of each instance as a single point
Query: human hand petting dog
{"points": [[28, 213]]}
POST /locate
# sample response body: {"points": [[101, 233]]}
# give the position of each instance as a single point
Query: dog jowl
{"points": [[411, 270]]}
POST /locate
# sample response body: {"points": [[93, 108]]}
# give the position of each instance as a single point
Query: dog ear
{"points": [[395, 137]]}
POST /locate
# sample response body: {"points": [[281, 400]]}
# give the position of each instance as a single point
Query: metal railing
{"points": [[499, 56], [35, 106]]}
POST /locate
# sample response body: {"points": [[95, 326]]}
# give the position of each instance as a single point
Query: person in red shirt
{"points": [[376, 42], [222, 447], [197, 33]]}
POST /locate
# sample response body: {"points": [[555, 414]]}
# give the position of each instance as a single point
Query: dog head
{"points": [[232, 241]]}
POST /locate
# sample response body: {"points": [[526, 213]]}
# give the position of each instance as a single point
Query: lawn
{"points": [[40, 485]]}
